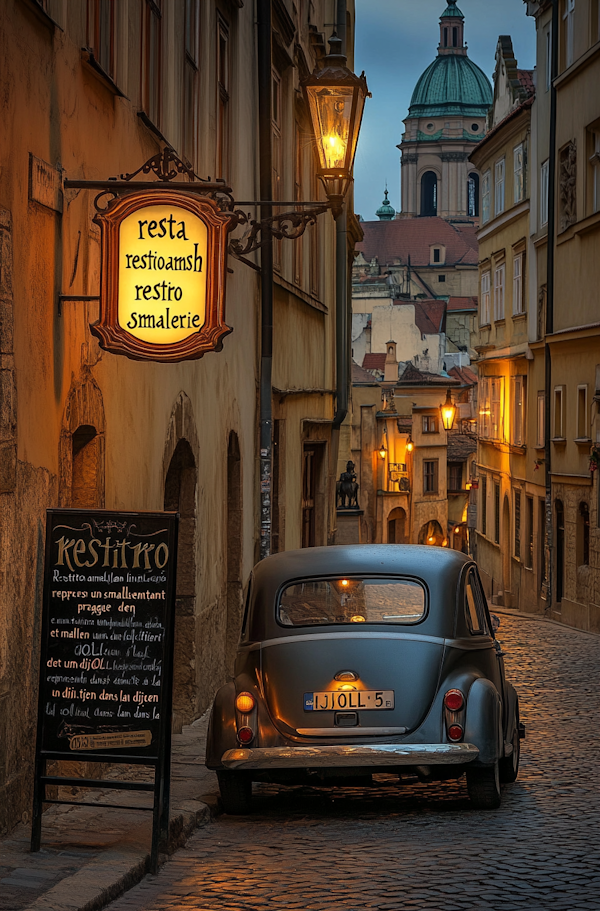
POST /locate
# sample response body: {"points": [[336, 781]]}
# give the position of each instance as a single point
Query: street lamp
{"points": [[409, 444], [336, 98], [448, 412]]}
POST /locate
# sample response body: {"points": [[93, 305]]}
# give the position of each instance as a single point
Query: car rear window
{"points": [[327, 602]]}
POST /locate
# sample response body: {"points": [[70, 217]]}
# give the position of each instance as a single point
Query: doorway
{"points": [[560, 549], [397, 526], [313, 512]]}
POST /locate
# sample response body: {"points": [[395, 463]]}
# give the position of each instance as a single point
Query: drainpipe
{"points": [[266, 273], [342, 303], [550, 303]]}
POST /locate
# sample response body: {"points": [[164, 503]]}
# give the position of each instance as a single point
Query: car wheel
{"points": [[483, 786], [509, 765], [236, 792]]}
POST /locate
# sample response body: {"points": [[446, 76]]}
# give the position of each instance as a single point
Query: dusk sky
{"points": [[396, 40]]}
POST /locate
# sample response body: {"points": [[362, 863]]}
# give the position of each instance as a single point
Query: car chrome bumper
{"points": [[377, 754]]}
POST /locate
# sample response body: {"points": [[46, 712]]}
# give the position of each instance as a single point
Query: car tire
{"points": [[509, 765], [236, 792], [483, 786]]}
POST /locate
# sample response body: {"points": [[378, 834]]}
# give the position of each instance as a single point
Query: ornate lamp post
{"points": [[336, 98]]}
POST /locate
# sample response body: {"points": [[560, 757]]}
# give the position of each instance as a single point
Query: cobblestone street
{"points": [[419, 846]]}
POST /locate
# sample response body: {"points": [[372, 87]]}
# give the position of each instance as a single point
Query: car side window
{"points": [[474, 609]]}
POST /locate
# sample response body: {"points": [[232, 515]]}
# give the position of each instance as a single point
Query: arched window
{"points": [[429, 193], [445, 37], [473, 194], [454, 37]]}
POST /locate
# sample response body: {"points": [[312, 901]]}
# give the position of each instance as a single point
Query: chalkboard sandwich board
{"points": [[106, 664]]}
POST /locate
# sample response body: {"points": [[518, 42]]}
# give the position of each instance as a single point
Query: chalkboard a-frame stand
{"points": [[106, 664]]}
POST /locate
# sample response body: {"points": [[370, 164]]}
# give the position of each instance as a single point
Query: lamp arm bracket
{"points": [[290, 225]]}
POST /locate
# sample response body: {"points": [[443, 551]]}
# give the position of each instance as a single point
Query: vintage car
{"points": [[362, 659]]}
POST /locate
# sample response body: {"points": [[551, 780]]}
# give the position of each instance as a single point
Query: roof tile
{"points": [[396, 240]]}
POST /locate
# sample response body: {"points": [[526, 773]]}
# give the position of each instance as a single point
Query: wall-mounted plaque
{"points": [[162, 294]]}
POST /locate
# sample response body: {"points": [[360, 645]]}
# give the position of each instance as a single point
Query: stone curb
{"points": [[114, 871]]}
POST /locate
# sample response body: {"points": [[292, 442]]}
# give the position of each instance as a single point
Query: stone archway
{"points": [[180, 466], [431, 533]]}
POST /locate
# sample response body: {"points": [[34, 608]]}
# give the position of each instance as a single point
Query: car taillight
{"points": [[455, 732], [454, 700], [245, 735], [245, 702]]}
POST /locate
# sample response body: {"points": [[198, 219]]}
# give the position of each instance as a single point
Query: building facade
{"points": [[84, 428]]}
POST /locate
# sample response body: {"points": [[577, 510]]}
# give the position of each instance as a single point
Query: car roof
{"points": [[438, 567]]}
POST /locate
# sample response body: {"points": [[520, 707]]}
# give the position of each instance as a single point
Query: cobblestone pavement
{"points": [[422, 846]]}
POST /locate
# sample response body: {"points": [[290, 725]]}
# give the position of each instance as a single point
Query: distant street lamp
{"points": [[336, 98], [409, 444], [448, 412]]}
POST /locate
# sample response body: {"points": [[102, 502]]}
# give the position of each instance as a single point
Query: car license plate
{"points": [[339, 700]]}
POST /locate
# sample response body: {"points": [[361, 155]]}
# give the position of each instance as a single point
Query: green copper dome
{"points": [[452, 10], [452, 84], [386, 211]]}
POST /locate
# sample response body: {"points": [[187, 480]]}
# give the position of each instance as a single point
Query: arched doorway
{"points": [[429, 193], [234, 550], [559, 512], [431, 533], [180, 496], [505, 549], [396, 525]]}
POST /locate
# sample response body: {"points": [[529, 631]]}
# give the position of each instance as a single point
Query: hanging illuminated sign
{"points": [[162, 294]]}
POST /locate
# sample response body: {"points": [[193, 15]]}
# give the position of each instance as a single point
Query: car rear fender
{"points": [[221, 734], [483, 725]]}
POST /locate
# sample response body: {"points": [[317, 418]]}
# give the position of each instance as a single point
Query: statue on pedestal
{"points": [[347, 489]]}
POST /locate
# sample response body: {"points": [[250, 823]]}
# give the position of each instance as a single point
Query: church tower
{"points": [[446, 119]]}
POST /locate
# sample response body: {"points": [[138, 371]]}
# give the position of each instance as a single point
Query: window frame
{"points": [[519, 409], [96, 35], [486, 315], [582, 414], [517, 523], [558, 413], [519, 173], [568, 17], [431, 475], [544, 188], [483, 489], [152, 61], [499, 186], [429, 424], [486, 181], [518, 307], [499, 292], [541, 420]]}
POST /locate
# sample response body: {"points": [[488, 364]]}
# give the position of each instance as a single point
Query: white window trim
{"points": [[518, 308], [499, 286], [569, 20], [499, 185], [486, 181], [485, 298], [519, 173]]}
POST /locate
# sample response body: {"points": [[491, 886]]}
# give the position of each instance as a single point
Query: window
{"points": [[485, 197], [430, 476], [329, 602], [485, 299], [152, 60], [455, 471], [222, 97], [519, 173], [583, 535], [518, 410], [429, 424], [548, 59], [594, 160], [190, 76], [473, 190], [559, 416], [429, 193], [499, 275], [499, 169], [497, 407], [583, 432], [436, 255], [518, 307], [483, 504], [101, 34], [497, 513], [541, 423], [529, 532], [474, 609], [568, 31], [544, 175], [441, 278], [517, 513]]}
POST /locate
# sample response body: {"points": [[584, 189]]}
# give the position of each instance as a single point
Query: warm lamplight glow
{"points": [[245, 702], [357, 619], [382, 452], [409, 445], [344, 582], [430, 539], [448, 412]]}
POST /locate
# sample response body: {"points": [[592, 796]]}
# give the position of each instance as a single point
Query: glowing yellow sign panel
{"points": [[162, 274]]}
